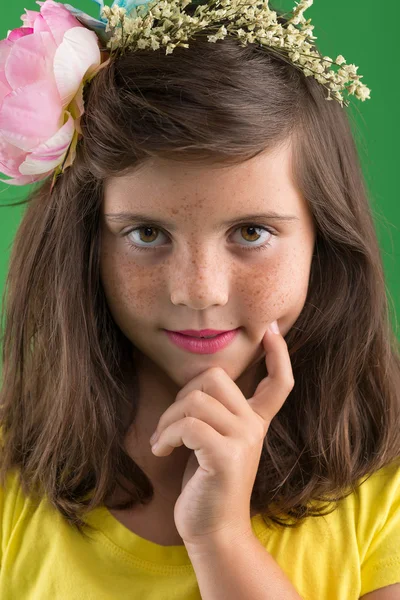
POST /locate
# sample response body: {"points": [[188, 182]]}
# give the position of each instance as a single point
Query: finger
{"points": [[203, 407], [210, 447], [216, 382], [273, 390]]}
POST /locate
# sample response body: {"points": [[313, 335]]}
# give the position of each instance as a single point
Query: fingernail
{"points": [[274, 327], [155, 446], [153, 438]]}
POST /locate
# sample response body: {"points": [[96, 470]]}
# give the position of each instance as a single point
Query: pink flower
{"points": [[43, 68]]}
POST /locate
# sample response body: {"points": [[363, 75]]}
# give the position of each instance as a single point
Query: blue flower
{"points": [[129, 5], [99, 25]]}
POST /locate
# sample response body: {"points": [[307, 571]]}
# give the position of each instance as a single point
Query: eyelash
{"points": [[248, 248]]}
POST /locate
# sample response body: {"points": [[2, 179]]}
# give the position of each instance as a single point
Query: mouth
{"points": [[203, 333], [202, 345]]}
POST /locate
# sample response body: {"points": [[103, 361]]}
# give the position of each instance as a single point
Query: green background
{"points": [[365, 36]]}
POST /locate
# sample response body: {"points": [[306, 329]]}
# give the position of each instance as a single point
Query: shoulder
{"points": [[12, 504], [12, 500], [384, 485], [375, 500], [378, 528]]}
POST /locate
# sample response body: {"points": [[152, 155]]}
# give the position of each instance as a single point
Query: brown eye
{"points": [[253, 233], [147, 234], [252, 236]]}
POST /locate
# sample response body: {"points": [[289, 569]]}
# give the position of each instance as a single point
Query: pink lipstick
{"points": [[199, 345], [202, 332]]}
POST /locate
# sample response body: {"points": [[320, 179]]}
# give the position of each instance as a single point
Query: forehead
{"points": [[177, 188]]}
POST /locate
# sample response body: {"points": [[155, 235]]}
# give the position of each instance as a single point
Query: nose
{"points": [[199, 280]]}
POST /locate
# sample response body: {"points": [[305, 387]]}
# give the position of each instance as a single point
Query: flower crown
{"points": [[45, 64]]}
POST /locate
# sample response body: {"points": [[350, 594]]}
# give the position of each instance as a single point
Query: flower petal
{"points": [[50, 154], [31, 115], [10, 158], [40, 25], [98, 26], [24, 179], [30, 59], [29, 17], [58, 19], [78, 54], [4, 88], [16, 34], [5, 49]]}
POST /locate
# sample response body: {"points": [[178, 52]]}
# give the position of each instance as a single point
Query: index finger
{"points": [[273, 390]]}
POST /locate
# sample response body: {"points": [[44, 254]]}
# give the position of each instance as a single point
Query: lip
{"points": [[202, 346], [202, 332]]}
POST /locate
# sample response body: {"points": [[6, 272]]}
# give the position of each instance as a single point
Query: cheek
{"points": [[278, 290], [131, 290]]}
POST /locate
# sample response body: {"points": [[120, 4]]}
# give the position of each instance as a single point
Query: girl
{"points": [[211, 189]]}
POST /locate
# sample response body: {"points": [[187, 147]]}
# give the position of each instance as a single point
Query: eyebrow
{"points": [[122, 217]]}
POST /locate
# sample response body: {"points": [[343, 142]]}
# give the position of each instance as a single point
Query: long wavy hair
{"points": [[69, 391]]}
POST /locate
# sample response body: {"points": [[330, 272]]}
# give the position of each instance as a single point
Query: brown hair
{"points": [[69, 392]]}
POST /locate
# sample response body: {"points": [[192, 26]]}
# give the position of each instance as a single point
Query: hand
{"points": [[211, 416]]}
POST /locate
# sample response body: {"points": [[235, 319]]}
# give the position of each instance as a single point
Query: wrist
{"points": [[219, 542]]}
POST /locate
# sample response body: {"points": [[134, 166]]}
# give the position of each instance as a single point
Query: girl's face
{"points": [[188, 268]]}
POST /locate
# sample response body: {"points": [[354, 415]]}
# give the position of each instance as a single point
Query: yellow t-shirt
{"points": [[352, 551]]}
